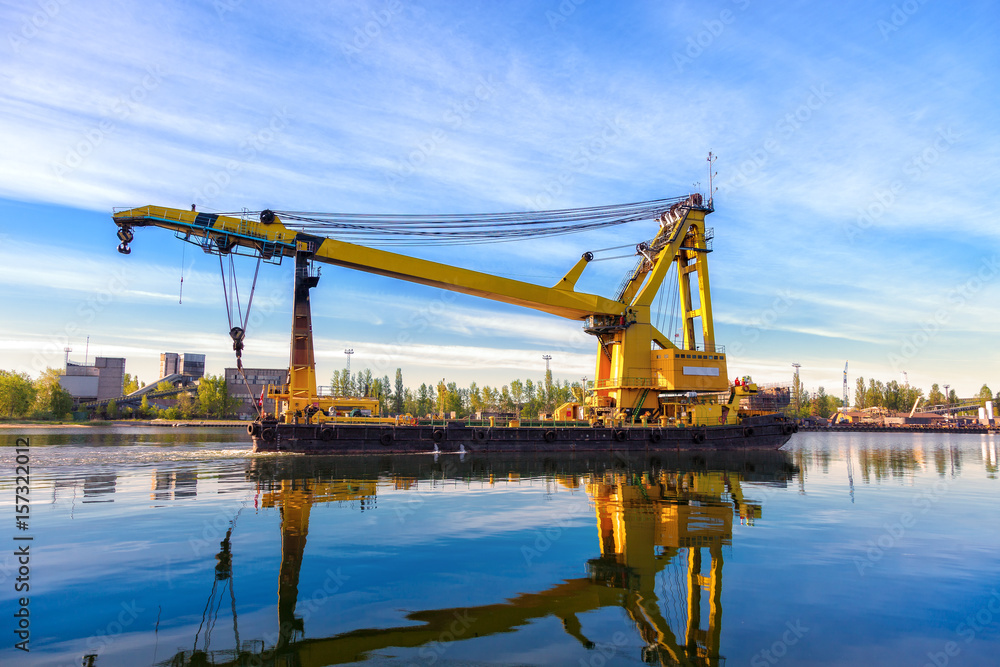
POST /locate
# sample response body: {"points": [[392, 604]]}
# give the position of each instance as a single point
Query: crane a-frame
{"points": [[640, 372]]}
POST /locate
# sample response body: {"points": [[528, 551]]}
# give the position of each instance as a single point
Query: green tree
{"points": [[985, 394], [799, 396], [163, 386], [936, 397], [822, 404], [130, 384], [860, 394], [213, 397], [530, 410], [455, 401], [506, 400], [517, 393], [111, 410], [51, 400], [550, 395], [475, 399], [185, 405], [365, 383], [490, 399], [144, 406], [378, 392], [425, 400], [409, 403], [442, 398], [399, 396], [387, 391], [874, 396], [17, 393], [892, 398]]}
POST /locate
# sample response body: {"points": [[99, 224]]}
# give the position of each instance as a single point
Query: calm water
{"points": [[177, 547]]}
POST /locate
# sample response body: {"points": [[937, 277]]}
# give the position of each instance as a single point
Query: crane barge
{"points": [[649, 393]]}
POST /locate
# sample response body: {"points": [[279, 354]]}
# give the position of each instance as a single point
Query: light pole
{"points": [[349, 352], [797, 387]]}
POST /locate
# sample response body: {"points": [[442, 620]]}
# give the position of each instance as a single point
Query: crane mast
{"points": [[638, 368]]}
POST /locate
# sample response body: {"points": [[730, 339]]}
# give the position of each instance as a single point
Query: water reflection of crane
{"points": [[647, 521]]}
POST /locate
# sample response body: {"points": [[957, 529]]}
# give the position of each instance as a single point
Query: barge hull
{"points": [[767, 433]]}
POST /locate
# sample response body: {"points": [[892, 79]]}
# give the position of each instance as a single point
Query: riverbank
{"points": [[191, 423]]}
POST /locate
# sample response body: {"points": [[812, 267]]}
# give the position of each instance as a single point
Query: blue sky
{"points": [[855, 218]]}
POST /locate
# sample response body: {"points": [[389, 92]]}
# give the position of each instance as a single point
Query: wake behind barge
{"points": [[764, 432]]}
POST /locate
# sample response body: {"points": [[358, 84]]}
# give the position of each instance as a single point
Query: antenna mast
{"points": [[711, 177]]}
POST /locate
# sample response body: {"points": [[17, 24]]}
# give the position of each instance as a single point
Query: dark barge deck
{"points": [[759, 432]]}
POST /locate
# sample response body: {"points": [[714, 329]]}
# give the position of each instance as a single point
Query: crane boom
{"points": [[274, 239]]}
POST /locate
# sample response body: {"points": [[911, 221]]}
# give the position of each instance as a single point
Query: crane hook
{"points": [[125, 236], [237, 334]]}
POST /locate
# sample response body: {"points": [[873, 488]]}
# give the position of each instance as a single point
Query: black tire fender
{"points": [[698, 438], [550, 436], [655, 436], [326, 434], [480, 434], [437, 435], [621, 435], [267, 435], [385, 439], [748, 432], [788, 429]]}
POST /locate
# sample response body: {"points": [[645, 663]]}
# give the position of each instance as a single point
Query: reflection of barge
{"points": [[752, 465], [651, 515], [649, 392]]}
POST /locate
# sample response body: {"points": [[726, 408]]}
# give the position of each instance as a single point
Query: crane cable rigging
{"points": [[466, 229], [435, 229], [237, 331]]}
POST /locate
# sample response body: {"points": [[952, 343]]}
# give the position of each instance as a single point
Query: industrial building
{"points": [[92, 382], [191, 365], [256, 379]]}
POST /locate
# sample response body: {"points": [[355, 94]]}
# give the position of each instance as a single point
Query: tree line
{"points": [[210, 400], [527, 398], [41, 398], [877, 394], [45, 399], [902, 398]]}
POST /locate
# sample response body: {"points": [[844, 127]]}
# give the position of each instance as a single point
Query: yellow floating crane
{"points": [[640, 373]]}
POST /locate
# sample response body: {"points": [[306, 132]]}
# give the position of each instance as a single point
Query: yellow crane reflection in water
{"points": [[646, 522]]}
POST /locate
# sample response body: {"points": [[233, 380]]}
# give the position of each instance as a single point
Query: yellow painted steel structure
{"points": [[635, 361]]}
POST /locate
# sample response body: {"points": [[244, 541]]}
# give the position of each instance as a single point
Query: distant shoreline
{"points": [[227, 423]]}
